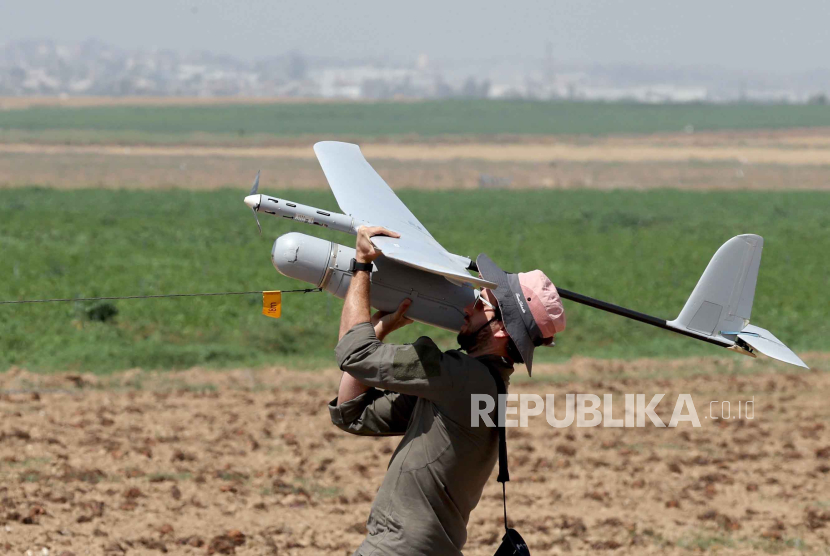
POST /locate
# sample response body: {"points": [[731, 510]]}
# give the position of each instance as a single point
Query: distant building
{"points": [[37, 67]]}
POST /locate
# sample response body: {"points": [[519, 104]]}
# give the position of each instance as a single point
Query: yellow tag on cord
{"points": [[272, 304]]}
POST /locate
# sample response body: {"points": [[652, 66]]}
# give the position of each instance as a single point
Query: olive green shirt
{"points": [[437, 474]]}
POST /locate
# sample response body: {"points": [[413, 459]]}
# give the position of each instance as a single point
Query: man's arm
{"points": [[357, 307], [355, 311], [384, 324], [374, 413], [419, 369]]}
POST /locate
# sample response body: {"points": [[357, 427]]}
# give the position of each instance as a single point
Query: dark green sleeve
{"points": [[419, 369], [374, 413]]}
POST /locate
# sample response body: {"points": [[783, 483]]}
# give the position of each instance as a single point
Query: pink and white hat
{"points": [[531, 308]]}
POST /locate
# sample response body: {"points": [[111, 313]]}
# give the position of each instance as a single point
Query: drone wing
{"points": [[363, 195]]}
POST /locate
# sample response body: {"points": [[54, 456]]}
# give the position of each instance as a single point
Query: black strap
{"points": [[504, 474]]}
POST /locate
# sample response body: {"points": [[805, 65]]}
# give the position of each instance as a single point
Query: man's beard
{"points": [[469, 340]]}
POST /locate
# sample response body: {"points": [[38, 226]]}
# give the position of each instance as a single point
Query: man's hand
{"points": [[386, 323], [365, 252]]}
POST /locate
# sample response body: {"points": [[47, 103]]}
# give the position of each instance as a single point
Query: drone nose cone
{"points": [[252, 201]]}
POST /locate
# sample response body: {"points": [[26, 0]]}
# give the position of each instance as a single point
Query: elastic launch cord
{"points": [[310, 290]]}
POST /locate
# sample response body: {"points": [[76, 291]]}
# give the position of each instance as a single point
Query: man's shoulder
{"points": [[428, 345], [475, 371], [426, 354]]}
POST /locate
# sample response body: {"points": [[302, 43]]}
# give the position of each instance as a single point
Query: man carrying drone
{"points": [[437, 474]]}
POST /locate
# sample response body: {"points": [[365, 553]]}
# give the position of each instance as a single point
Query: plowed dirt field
{"points": [[773, 160], [247, 462]]}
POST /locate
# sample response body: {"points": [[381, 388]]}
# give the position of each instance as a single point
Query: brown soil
{"points": [[294, 167], [762, 160], [606, 151], [247, 462]]}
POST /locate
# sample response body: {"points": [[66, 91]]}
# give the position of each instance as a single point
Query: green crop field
{"points": [[643, 250], [428, 118]]}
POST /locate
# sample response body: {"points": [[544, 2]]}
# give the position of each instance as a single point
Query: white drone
{"points": [[417, 267]]}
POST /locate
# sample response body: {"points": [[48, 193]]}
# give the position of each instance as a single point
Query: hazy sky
{"points": [[750, 34]]}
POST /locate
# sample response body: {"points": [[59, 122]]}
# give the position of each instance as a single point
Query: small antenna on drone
{"points": [[253, 209]]}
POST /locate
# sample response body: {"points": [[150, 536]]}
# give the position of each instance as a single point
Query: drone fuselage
{"points": [[435, 300]]}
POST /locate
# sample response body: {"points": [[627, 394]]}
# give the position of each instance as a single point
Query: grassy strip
{"points": [[428, 118], [644, 250]]}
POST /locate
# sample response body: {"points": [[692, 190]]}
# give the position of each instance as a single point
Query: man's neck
{"points": [[489, 349]]}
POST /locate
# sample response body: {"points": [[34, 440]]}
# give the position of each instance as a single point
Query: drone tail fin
{"points": [[721, 304], [722, 298]]}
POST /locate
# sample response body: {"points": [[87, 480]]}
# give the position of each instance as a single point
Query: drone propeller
{"points": [[253, 209], [256, 184]]}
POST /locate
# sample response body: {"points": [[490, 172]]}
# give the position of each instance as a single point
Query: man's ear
{"points": [[501, 332]]}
